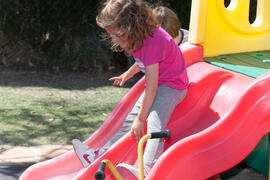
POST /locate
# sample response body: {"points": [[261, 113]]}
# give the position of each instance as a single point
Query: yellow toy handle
{"points": [[162, 134], [100, 175]]}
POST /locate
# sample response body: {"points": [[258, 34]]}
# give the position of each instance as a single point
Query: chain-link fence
{"points": [[63, 34]]}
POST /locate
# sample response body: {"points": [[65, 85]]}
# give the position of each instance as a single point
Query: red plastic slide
{"points": [[218, 124]]}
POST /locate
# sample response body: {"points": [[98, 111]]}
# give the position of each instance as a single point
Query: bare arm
{"points": [[151, 78], [120, 80]]}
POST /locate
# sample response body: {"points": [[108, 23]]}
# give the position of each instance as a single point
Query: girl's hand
{"points": [[137, 129], [120, 80]]}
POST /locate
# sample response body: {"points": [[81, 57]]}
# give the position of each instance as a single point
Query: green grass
{"points": [[35, 115]]}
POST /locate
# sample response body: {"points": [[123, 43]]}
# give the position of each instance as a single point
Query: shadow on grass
{"points": [[42, 122], [60, 127], [60, 80], [12, 171]]}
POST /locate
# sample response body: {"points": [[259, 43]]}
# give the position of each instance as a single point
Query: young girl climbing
{"points": [[134, 28]]}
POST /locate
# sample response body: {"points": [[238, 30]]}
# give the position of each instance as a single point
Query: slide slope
{"points": [[218, 124], [67, 166], [240, 110]]}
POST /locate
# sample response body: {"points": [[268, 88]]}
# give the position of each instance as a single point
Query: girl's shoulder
{"points": [[157, 46], [160, 36]]}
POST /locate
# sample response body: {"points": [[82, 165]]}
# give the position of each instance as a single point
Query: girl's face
{"points": [[117, 38]]}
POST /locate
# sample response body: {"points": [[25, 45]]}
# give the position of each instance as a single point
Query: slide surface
{"points": [[218, 124], [220, 130]]}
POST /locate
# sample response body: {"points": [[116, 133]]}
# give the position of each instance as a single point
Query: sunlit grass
{"points": [[47, 115]]}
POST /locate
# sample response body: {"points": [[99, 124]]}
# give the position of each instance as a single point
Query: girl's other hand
{"points": [[137, 129], [119, 80]]}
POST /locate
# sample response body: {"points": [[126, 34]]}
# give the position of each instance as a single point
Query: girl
{"points": [[169, 21], [134, 28]]}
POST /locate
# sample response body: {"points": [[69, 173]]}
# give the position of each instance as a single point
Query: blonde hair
{"points": [[168, 20], [134, 18]]}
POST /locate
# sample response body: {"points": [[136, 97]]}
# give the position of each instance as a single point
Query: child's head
{"points": [[128, 22], [168, 20]]}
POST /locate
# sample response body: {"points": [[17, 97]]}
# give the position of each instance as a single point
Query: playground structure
{"points": [[226, 111]]}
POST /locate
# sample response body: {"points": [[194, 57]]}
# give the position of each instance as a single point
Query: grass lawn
{"points": [[54, 108]]}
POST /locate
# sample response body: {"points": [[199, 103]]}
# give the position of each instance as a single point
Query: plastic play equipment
{"points": [[227, 33], [100, 175], [219, 123], [68, 166], [224, 30], [153, 135], [223, 117]]}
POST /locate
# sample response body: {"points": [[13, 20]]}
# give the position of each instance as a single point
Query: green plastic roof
{"points": [[252, 64]]}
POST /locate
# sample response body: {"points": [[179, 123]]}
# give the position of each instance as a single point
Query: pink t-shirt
{"points": [[162, 49]]}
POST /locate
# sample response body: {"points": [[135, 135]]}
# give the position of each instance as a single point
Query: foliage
{"points": [[61, 33]]}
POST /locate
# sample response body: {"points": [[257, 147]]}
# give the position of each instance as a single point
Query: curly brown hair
{"points": [[134, 19]]}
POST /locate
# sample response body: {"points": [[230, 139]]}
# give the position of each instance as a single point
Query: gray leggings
{"points": [[166, 100]]}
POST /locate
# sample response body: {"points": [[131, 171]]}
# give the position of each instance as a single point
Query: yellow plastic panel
{"points": [[224, 30], [197, 28]]}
